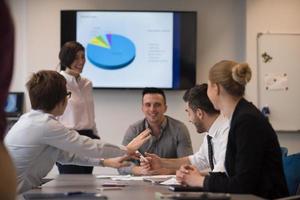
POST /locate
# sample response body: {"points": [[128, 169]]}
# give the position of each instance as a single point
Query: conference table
{"points": [[116, 189]]}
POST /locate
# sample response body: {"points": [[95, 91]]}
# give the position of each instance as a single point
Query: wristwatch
{"points": [[101, 162]]}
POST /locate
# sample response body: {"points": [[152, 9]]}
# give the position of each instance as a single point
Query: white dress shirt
{"points": [[219, 133], [38, 140], [79, 113]]}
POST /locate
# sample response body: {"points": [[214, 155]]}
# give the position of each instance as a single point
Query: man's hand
{"points": [[116, 162], [154, 161], [139, 170], [189, 175], [138, 141], [153, 166]]}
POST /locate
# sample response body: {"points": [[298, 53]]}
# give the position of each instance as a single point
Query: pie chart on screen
{"points": [[110, 51]]}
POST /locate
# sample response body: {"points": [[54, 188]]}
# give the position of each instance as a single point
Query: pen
{"points": [[141, 156]]}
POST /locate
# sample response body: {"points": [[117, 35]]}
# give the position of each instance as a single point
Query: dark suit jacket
{"points": [[253, 160]]}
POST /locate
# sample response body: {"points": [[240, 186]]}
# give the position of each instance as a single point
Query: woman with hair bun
{"points": [[253, 160]]}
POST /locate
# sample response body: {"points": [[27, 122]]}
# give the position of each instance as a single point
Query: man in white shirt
{"points": [[38, 140], [207, 120]]}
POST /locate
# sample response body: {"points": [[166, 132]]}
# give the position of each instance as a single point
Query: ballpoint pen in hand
{"points": [[141, 156]]}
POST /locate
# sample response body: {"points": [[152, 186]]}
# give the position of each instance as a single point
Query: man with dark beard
{"points": [[206, 119]]}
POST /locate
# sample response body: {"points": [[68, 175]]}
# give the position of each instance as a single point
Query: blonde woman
{"points": [[253, 157]]}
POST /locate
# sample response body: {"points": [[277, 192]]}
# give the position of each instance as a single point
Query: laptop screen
{"points": [[14, 104]]}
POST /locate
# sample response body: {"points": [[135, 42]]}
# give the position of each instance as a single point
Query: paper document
{"points": [[158, 178], [133, 178], [171, 181], [128, 178], [112, 176]]}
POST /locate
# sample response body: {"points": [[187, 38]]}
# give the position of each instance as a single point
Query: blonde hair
{"points": [[232, 76]]}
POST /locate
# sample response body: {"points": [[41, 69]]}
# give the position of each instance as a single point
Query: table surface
{"points": [[133, 189]]}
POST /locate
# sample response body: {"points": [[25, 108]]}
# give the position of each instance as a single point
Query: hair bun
{"points": [[241, 73]]}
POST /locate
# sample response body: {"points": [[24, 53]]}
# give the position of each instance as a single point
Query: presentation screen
{"points": [[135, 49]]}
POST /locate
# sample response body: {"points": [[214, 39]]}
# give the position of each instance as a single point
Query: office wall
{"points": [[221, 31], [221, 35], [227, 29], [275, 16]]}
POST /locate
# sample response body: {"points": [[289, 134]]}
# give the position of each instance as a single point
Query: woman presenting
{"points": [[79, 114]]}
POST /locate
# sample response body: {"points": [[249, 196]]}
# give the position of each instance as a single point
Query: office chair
{"points": [[291, 166], [284, 151]]}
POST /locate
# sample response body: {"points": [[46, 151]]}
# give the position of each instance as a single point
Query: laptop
{"points": [[14, 104]]}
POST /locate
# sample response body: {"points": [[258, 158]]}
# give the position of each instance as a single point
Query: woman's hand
{"points": [[138, 141], [189, 175]]}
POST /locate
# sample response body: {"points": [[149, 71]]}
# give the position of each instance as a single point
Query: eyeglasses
{"points": [[69, 94]]}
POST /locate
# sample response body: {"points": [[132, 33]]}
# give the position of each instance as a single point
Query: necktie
{"points": [[210, 152]]}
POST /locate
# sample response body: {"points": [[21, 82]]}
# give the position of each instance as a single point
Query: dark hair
{"points": [[46, 89], [68, 53], [152, 90], [197, 98]]}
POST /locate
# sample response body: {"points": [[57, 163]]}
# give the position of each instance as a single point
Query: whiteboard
{"points": [[279, 79]]}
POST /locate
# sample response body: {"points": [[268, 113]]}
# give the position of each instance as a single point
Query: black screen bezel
{"points": [[188, 42]]}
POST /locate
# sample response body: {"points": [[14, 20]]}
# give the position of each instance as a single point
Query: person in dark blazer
{"points": [[8, 183], [253, 160]]}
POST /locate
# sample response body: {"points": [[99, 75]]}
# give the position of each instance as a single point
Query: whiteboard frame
{"points": [[258, 73]]}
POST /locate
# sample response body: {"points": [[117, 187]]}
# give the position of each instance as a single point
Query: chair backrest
{"points": [[284, 151], [291, 165]]}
